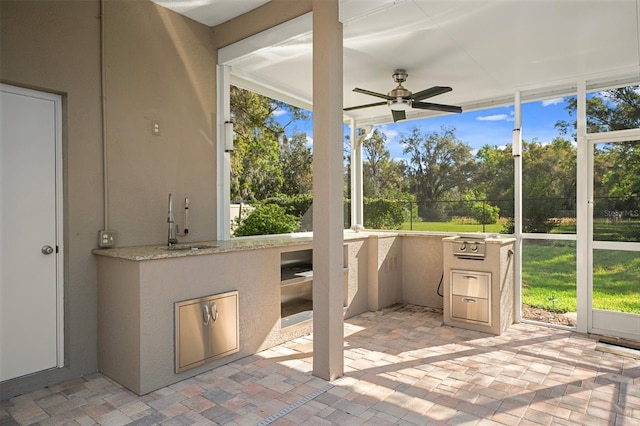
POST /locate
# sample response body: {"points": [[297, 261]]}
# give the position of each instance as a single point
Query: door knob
{"points": [[47, 250]]}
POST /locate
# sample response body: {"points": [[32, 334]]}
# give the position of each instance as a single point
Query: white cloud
{"points": [[389, 133], [494, 117], [279, 112], [555, 101], [309, 141]]}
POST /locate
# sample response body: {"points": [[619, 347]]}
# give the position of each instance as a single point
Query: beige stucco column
{"points": [[328, 332]]}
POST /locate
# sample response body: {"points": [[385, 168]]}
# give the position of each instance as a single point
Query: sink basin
{"points": [[188, 247]]}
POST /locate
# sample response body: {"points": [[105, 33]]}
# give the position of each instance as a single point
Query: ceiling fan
{"points": [[400, 99]]}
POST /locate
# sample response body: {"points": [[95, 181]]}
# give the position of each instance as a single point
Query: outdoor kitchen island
{"points": [[139, 289]]}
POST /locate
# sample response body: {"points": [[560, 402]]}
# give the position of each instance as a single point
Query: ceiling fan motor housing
{"points": [[402, 100]]}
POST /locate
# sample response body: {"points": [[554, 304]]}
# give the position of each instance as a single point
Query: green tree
{"points": [[617, 185], [621, 179], [494, 175], [375, 157], [438, 164], [256, 169], [346, 177], [614, 109], [296, 162], [548, 184], [617, 166], [382, 176]]}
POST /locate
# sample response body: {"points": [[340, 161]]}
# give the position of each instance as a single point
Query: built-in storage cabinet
{"points": [[479, 290], [470, 296], [206, 329]]}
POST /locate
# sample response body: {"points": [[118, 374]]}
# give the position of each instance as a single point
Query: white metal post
{"points": [[517, 203], [353, 135], [584, 209], [357, 216], [223, 158]]}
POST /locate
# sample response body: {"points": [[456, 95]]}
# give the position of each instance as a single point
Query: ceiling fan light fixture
{"points": [[399, 104]]}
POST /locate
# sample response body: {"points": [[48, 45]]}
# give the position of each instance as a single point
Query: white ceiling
{"points": [[211, 12], [485, 50]]}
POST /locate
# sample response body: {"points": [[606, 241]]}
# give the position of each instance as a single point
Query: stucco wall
{"points": [[384, 263], [357, 291], [141, 356], [422, 270], [53, 46], [160, 66]]}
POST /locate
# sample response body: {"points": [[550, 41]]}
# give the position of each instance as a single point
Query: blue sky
{"points": [[476, 128]]}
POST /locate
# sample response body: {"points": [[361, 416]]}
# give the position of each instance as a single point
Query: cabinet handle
{"points": [[470, 277], [467, 300], [206, 314], [214, 309]]}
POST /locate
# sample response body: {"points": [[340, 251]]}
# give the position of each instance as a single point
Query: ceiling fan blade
{"points": [[370, 93], [436, 107], [430, 92], [398, 115], [365, 106]]}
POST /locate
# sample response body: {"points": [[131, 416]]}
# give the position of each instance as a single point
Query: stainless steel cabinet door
{"points": [[206, 329]]}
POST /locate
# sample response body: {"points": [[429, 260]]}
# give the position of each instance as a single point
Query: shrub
{"points": [[485, 213], [267, 219], [508, 227], [380, 213], [298, 206]]}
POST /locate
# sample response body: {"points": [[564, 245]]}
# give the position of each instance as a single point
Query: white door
{"points": [[614, 253], [30, 232]]}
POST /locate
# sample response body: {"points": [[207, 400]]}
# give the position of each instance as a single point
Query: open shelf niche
{"points": [[296, 286]]}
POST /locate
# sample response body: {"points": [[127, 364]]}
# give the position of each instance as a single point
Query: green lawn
{"points": [[549, 268], [549, 275], [603, 230], [451, 227], [549, 278]]}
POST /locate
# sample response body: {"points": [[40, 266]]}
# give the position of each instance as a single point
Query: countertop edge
{"points": [[156, 252]]}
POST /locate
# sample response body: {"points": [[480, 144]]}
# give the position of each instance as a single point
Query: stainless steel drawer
{"points": [[472, 284], [470, 308], [206, 329]]}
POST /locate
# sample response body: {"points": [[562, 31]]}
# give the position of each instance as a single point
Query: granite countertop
{"points": [[200, 248], [153, 252], [140, 253]]}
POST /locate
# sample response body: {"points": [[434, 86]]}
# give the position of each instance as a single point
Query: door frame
{"points": [[59, 208], [601, 321]]}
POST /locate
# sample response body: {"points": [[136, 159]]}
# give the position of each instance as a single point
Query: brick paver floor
{"points": [[402, 367]]}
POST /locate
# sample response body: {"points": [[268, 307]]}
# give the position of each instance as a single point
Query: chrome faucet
{"points": [[171, 236]]}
